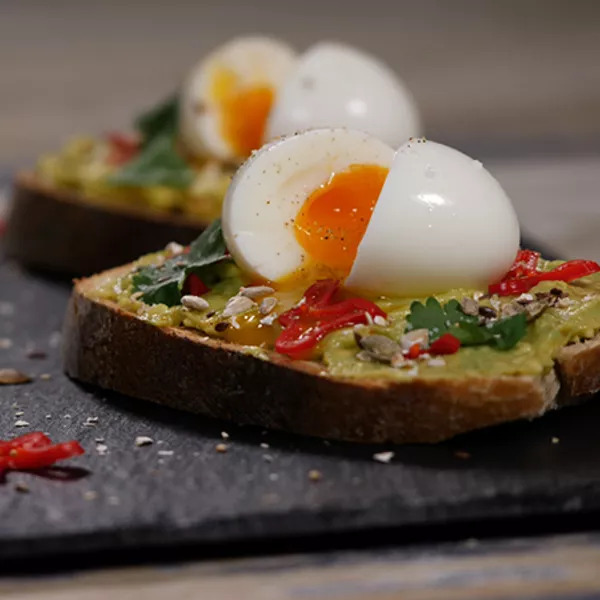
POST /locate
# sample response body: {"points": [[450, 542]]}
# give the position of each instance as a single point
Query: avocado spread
{"points": [[575, 317], [84, 166]]}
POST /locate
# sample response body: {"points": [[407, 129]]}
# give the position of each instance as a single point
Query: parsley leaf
{"points": [[503, 334], [164, 284], [159, 121], [157, 164]]}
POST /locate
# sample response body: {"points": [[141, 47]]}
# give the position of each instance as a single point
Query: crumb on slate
{"points": [[21, 487], [221, 448], [143, 440], [315, 475], [383, 457]]}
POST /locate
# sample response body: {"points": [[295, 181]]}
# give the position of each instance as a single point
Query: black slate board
{"points": [[134, 497]]}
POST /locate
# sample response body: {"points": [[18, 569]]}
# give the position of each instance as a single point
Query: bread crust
{"points": [[181, 368], [59, 231]]}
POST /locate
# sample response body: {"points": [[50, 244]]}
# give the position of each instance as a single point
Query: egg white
{"points": [[255, 61], [270, 188], [441, 222], [334, 85]]}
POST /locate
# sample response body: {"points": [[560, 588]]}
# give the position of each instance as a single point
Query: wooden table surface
{"points": [[553, 568]]}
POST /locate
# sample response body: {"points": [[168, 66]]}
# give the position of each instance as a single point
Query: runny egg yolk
{"points": [[331, 223], [243, 111]]}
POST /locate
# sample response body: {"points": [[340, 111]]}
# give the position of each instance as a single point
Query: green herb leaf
{"points": [[159, 121], [157, 164], [163, 284], [508, 332], [503, 334], [429, 316]]}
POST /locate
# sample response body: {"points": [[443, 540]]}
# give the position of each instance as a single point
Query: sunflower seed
{"points": [[267, 305], [524, 298], [173, 248], [379, 347], [534, 309], [417, 336], [470, 306], [237, 305], [194, 303], [256, 291]]}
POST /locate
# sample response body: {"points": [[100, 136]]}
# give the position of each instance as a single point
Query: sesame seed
{"points": [[222, 448], [264, 445], [21, 423], [224, 435], [462, 454], [555, 440], [166, 452]]}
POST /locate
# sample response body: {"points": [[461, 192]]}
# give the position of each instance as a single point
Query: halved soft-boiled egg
{"points": [[337, 203], [227, 98], [441, 222], [334, 85], [298, 207]]}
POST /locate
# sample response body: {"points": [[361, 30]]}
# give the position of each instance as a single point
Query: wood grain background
{"points": [[507, 71]]}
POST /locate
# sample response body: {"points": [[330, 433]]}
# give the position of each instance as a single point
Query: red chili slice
{"points": [[122, 148], [194, 286], [36, 439], [568, 271], [318, 315], [445, 344], [35, 451]]}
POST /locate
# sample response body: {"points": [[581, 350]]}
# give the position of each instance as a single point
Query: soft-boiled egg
{"points": [[299, 206], [227, 97], [441, 222], [334, 85], [338, 203]]}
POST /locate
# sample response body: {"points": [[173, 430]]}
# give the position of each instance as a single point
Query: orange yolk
{"points": [[334, 218], [244, 111]]}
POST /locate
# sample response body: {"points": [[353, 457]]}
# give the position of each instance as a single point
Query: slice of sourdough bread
{"points": [[178, 367], [60, 231]]}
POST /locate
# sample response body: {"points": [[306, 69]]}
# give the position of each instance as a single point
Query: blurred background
{"points": [[516, 82]]}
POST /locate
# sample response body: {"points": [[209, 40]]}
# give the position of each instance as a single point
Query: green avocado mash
{"points": [[576, 318], [83, 166]]}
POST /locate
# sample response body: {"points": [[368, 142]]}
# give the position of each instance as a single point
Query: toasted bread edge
{"points": [[105, 346], [58, 230]]}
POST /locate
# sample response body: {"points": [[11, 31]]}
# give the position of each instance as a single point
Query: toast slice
{"points": [[58, 230], [184, 369]]}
